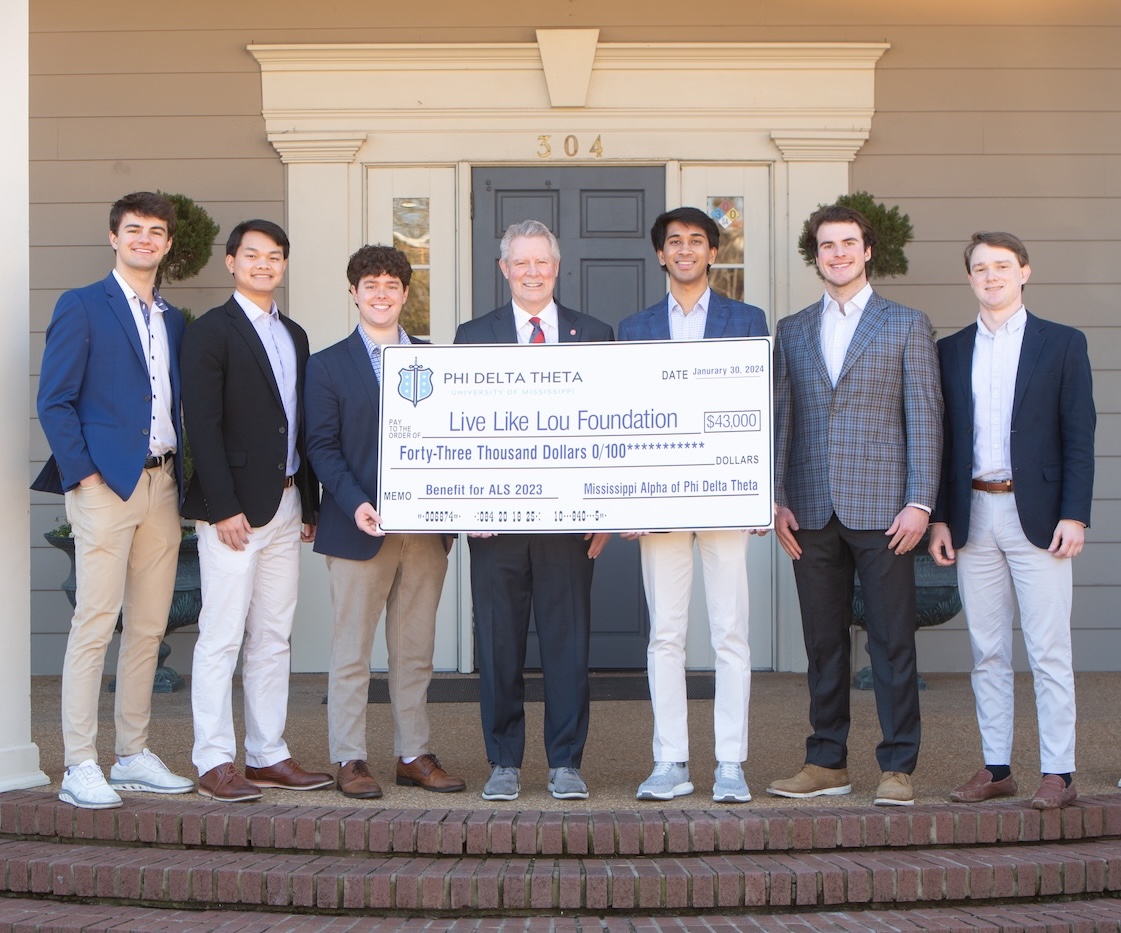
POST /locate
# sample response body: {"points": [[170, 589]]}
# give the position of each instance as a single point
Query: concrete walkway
{"points": [[617, 758]]}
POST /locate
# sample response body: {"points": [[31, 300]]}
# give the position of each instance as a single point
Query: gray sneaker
{"points": [[730, 786], [503, 784], [669, 779], [566, 784]]}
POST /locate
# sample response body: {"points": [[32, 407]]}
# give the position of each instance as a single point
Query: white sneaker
{"points": [[669, 779], [147, 773], [730, 786], [84, 786]]}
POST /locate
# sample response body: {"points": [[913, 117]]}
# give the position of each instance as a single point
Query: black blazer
{"points": [[498, 326], [235, 420], [1052, 440]]}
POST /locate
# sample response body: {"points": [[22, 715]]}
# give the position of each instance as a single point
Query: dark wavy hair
{"points": [[378, 260]]}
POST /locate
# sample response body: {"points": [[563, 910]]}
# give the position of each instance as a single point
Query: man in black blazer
{"points": [[371, 571], [255, 499], [552, 573], [1013, 508]]}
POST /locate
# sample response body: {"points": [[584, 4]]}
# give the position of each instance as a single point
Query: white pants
{"points": [[667, 577], [247, 596], [997, 562]]}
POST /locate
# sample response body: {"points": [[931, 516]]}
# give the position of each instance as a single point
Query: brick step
{"points": [[621, 833], [1101, 915], [148, 876]]}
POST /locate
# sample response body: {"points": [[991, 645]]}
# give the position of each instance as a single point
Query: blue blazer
{"points": [[872, 444], [726, 318], [95, 395], [1052, 441], [341, 405]]}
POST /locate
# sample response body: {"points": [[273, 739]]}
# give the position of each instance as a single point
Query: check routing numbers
{"points": [[658, 435]]}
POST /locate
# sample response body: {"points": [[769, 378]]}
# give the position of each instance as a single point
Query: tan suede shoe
{"points": [[813, 781], [895, 790]]}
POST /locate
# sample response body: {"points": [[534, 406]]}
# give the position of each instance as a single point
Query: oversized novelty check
{"points": [[660, 435]]}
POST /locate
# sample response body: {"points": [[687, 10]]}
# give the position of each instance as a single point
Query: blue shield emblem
{"points": [[415, 384]]}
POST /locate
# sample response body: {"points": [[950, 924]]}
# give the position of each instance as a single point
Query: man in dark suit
{"points": [[371, 571], [255, 498], [1013, 508], [552, 573], [686, 241], [109, 406], [858, 441]]}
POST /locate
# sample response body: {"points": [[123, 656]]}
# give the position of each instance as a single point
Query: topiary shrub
{"points": [[195, 232], [893, 232]]}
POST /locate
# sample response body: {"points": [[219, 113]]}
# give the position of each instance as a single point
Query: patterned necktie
{"points": [[538, 335]]}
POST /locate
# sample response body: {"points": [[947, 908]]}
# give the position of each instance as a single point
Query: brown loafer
{"points": [[355, 780], [226, 783], [426, 772], [1053, 793], [982, 787], [288, 775]]}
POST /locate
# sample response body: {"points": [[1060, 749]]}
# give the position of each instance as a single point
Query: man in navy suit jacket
{"points": [[686, 241], [1013, 508], [550, 572], [370, 570], [109, 406]]}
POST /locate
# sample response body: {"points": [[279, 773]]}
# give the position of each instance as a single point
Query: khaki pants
{"points": [[405, 578], [125, 553]]}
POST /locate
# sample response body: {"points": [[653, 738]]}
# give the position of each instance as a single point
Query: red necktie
{"points": [[538, 335]]}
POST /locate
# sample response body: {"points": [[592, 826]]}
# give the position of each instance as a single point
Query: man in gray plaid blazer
{"points": [[858, 440]]}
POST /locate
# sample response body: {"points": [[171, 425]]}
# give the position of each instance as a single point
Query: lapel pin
{"points": [[572, 333]]}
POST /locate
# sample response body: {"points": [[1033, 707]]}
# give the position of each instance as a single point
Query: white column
{"points": [[19, 756], [324, 219]]}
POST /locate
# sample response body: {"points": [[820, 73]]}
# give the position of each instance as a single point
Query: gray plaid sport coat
{"points": [[873, 444]]}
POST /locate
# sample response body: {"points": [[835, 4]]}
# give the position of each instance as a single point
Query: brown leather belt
{"points": [[289, 480], [1000, 485]]}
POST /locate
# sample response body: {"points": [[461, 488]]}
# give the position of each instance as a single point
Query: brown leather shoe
{"points": [[1053, 793], [226, 783], [355, 780], [426, 772], [982, 787], [288, 775]]}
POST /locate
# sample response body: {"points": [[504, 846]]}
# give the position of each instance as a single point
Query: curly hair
{"points": [[378, 260], [834, 214]]}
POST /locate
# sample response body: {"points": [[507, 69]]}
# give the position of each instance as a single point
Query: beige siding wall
{"points": [[987, 116]]}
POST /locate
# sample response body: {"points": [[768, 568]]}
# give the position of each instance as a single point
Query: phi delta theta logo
{"points": [[415, 384]]}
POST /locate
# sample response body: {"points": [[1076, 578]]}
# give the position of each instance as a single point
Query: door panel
{"points": [[601, 217]]}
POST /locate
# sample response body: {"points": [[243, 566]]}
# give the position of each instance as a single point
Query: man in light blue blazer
{"points": [[370, 571], [686, 241], [109, 405], [858, 442]]}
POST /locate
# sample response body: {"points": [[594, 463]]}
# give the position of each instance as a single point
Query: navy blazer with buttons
{"points": [[1052, 440], [341, 404], [725, 318], [95, 394]]}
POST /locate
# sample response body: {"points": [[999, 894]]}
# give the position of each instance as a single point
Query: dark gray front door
{"points": [[602, 218]]}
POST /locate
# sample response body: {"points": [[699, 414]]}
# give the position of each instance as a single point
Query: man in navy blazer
{"points": [[109, 405], [550, 572], [858, 437], [1013, 508], [686, 241], [371, 571]]}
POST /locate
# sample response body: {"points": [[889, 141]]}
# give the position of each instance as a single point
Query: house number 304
{"points": [[570, 147]]}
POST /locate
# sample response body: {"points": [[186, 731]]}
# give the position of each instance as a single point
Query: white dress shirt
{"points": [[153, 338], [996, 360], [547, 317], [282, 356], [837, 327], [689, 326]]}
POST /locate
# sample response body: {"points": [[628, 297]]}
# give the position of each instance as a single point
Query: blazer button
{"points": [[147, 398], [280, 466], [283, 430], [144, 432]]}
